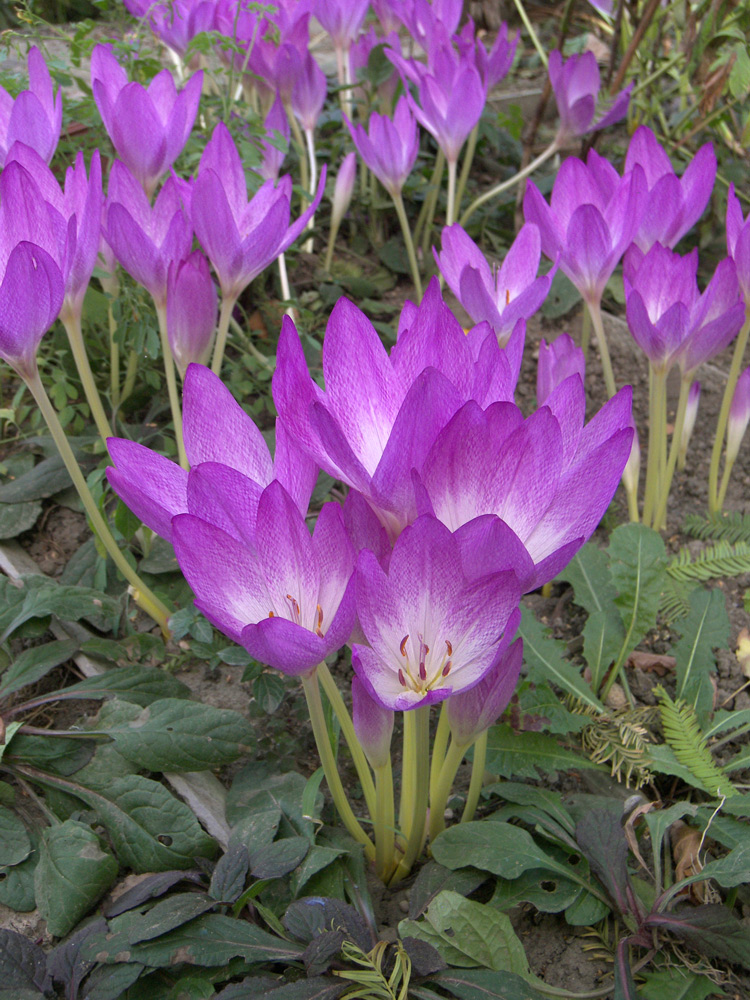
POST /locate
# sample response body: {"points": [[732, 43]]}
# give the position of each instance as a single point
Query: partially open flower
{"points": [[35, 116]]}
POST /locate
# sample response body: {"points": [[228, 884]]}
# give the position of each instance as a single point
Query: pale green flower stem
{"points": [[656, 432], [228, 302], [114, 359], [171, 377], [407, 774], [310, 144], [506, 185], [714, 503], [398, 201], [419, 766], [439, 746], [142, 595], [300, 141], [728, 466], [72, 323], [595, 309], [477, 777], [451, 193], [674, 451], [131, 370], [428, 205], [328, 761], [585, 333], [532, 34], [384, 822], [443, 785], [466, 163]]}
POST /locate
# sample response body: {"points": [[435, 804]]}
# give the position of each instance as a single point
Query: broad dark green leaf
{"points": [[601, 837], [638, 562], [316, 988], [548, 892], [269, 690], [542, 798], [258, 786], [711, 931], [15, 845], [147, 923], [42, 596], [58, 754], [46, 478], [705, 628], [110, 982], [34, 663], [73, 873], [523, 755], [161, 558], [586, 910], [729, 871], [589, 576], [482, 984], [149, 888], [316, 859], [658, 822], [230, 874], [307, 918], [17, 885], [140, 685], [18, 517], [278, 858], [674, 983], [546, 708], [23, 964], [603, 636], [81, 569], [545, 661], [433, 878], [174, 734]]}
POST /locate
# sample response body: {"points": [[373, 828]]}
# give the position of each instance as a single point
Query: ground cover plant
{"points": [[307, 434]]}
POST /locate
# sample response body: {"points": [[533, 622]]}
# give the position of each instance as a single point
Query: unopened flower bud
{"points": [[557, 361], [739, 416], [691, 412], [342, 194], [191, 310]]}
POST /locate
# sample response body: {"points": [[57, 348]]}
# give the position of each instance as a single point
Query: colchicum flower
{"points": [[31, 296], [35, 116], [558, 360], [191, 310], [433, 629], [575, 84], [148, 126], [739, 416], [389, 147], [738, 242], [500, 296]]}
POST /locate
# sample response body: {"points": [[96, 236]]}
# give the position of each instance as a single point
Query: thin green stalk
{"points": [[227, 305], [532, 34], [169, 372], [728, 466], [477, 776], [398, 201], [299, 139], [632, 496], [511, 182], [385, 823], [250, 346], [439, 746], [328, 761], [114, 358], [443, 786], [656, 431], [434, 186], [451, 193], [585, 333], [734, 373], [674, 450], [595, 308], [142, 595], [347, 728], [72, 324], [432, 205], [419, 799], [131, 370], [310, 144], [466, 163], [407, 774]]}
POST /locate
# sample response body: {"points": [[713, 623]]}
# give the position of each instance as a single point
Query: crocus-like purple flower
{"points": [[492, 65], [146, 240], [673, 204], [229, 455], [433, 629], [343, 190], [738, 242], [241, 238], [575, 84], [472, 712], [548, 478], [422, 19], [498, 296], [308, 91], [379, 415], [31, 296], [739, 416], [148, 126], [35, 116], [191, 310], [558, 360], [65, 223], [389, 147], [373, 725], [668, 317], [287, 597], [277, 126], [177, 22], [590, 221], [342, 19]]}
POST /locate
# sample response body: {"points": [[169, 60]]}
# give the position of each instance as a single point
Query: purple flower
{"points": [[177, 22], [31, 296], [389, 147], [241, 238], [492, 65], [146, 240], [575, 84], [343, 190], [548, 478], [591, 219], [277, 126], [230, 459], [148, 126], [673, 204], [35, 116], [308, 91], [738, 242], [688, 424], [389, 14], [191, 310], [379, 414], [433, 629], [342, 19], [359, 57], [558, 360], [739, 416], [668, 317], [285, 597], [422, 19], [65, 223], [373, 725], [472, 712], [498, 296]]}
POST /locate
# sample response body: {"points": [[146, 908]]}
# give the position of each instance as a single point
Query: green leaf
{"points": [[638, 564], [434, 878], [658, 822], [161, 559], [278, 858], [731, 870], [15, 845], [544, 659], [17, 885], [73, 873], [518, 755], [173, 734], [46, 478], [468, 934], [42, 597], [149, 922], [540, 702], [542, 798], [140, 685], [314, 861], [500, 848], [561, 297], [269, 690], [675, 983], [111, 982], [548, 893], [589, 576], [23, 964], [711, 930], [8, 733], [34, 663], [662, 759], [57, 754], [603, 636], [706, 627], [258, 786], [586, 911], [18, 517]]}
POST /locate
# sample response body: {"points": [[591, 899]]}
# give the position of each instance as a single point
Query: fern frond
{"points": [[722, 559], [620, 740], [674, 602], [729, 527], [684, 735]]}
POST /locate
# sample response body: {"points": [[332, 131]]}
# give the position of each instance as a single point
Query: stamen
{"points": [[319, 626], [295, 607], [271, 614], [402, 647], [450, 648], [447, 668], [402, 679], [507, 296]]}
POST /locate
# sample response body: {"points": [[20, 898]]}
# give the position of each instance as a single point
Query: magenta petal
{"points": [[284, 645], [472, 712], [152, 486], [138, 134], [224, 497], [31, 296], [373, 725], [216, 229]]}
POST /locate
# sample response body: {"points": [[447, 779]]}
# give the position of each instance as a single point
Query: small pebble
{"points": [[616, 698], [404, 905]]}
